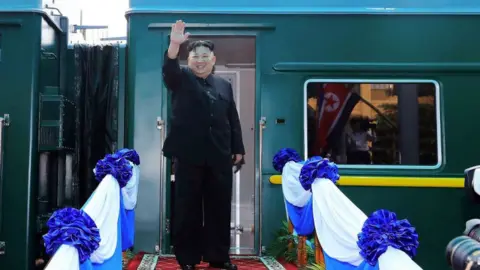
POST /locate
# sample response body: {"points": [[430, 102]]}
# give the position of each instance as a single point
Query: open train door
{"points": [[236, 62], [239, 70]]}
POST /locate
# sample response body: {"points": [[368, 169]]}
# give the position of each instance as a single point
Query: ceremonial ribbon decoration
{"points": [[282, 157], [94, 237], [349, 239], [382, 230], [74, 228], [298, 201], [129, 197]]}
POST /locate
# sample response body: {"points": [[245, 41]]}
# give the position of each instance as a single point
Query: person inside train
{"points": [[205, 135], [358, 139]]}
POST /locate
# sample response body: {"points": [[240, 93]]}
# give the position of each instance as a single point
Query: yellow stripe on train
{"points": [[390, 181]]}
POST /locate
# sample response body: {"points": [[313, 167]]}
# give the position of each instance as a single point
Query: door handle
{"points": [[163, 186]]}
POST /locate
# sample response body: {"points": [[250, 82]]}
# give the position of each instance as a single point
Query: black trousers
{"points": [[202, 213]]}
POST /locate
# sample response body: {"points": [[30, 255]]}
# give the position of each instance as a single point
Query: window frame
{"points": [[438, 119]]}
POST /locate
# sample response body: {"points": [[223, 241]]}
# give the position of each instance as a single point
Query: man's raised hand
{"points": [[178, 35]]}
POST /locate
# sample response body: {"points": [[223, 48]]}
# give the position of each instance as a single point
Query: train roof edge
{"points": [[307, 7], [308, 11], [278, 10]]}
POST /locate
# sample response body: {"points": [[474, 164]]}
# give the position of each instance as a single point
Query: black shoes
{"points": [[187, 267], [224, 266]]}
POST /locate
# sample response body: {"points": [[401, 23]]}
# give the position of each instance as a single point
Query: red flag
{"points": [[335, 99]]}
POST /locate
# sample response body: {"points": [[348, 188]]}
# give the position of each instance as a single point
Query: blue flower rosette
{"points": [[128, 154], [75, 228], [317, 167], [283, 156], [381, 230], [116, 166]]}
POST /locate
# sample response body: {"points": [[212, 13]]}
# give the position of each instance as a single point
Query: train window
{"points": [[374, 123]]}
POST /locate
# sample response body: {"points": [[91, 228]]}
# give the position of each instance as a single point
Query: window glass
{"points": [[373, 123]]}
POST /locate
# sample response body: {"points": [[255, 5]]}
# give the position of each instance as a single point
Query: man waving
{"points": [[205, 136]]}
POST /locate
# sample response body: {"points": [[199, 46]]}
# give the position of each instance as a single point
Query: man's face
{"points": [[201, 61]]}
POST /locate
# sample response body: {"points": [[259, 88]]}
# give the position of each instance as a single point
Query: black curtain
{"points": [[96, 97]]}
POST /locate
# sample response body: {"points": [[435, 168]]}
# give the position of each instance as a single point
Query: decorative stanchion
{"points": [[302, 252], [319, 257], [290, 231], [297, 201]]}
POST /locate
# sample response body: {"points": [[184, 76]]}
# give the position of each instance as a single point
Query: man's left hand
{"points": [[237, 158]]}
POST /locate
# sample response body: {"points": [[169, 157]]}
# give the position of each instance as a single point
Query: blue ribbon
{"points": [[129, 154], [331, 263], [127, 218], [301, 218], [125, 233]]}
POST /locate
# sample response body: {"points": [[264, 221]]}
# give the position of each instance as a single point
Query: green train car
{"points": [[413, 73]]}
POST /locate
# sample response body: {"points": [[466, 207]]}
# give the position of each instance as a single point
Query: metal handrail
{"points": [[262, 126], [163, 185], [4, 122]]}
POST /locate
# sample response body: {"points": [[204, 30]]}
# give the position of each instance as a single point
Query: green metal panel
{"points": [[56, 110], [57, 123], [438, 47], [145, 102], [19, 97], [274, 210]]}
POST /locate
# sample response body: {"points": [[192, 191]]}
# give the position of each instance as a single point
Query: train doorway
{"points": [[236, 63]]}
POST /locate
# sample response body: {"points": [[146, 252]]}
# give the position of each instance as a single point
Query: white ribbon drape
{"points": [[130, 191], [293, 191], [476, 181], [337, 224], [103, 207], [394, 259], [65, 255]]}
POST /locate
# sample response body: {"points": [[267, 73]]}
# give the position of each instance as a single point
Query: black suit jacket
{"points": [[204, 124]]}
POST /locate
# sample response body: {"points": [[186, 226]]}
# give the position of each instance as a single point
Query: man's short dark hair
{"points": [[201, 43]]}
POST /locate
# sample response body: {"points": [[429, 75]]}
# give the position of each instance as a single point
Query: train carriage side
{"points": [[39, 95], [422, 60], [28, 41]]}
